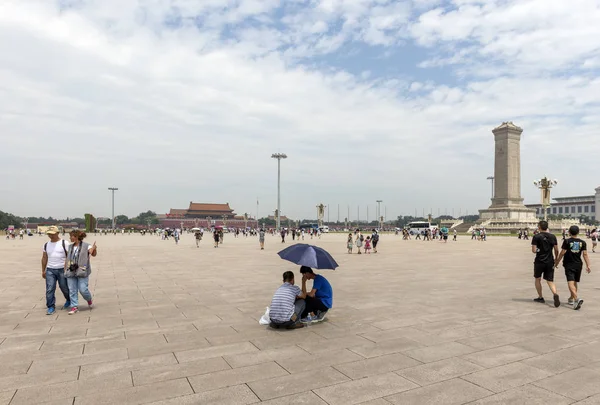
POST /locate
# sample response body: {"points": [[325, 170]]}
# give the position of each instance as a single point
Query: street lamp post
{"points": [[379, 211], [113, 189], [492, 180], [278, 156], [545, 185]]}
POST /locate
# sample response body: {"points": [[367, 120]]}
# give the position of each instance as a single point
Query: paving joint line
{"points": [[250, 388]]}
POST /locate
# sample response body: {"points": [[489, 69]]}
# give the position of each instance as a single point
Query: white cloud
{"points": [[192, 109], [518, 36]]}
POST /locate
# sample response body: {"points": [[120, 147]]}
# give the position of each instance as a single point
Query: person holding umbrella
{"points": [[320, 298]]}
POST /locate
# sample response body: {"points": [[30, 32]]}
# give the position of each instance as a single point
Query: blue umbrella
{"points": [[309, 256]]}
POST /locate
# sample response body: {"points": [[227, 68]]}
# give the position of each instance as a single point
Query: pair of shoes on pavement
{"points": [[319, 317], [74, 310], [52, 310], [541, 300]]}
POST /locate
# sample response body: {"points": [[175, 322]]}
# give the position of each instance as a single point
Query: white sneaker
{"points": [[578, 304], [570, 301]]}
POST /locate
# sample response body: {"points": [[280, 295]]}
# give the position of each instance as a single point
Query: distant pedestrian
{"points": [[216, 238], [368, 245], [350, 243], [261, 239], [359, 242], [454, 235], [375, 240]]}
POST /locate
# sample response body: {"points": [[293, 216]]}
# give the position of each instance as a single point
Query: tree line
{"points": [[143, 218]]}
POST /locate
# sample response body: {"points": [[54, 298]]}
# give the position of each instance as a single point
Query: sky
{"points": [[175, 101]]}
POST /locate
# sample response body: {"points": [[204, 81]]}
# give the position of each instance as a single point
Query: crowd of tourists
{"points": [[428, 234]]}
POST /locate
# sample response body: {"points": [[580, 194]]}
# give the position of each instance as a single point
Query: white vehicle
{"points": [[419, 226], [325, 229]]}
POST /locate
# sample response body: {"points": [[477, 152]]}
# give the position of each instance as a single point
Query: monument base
{"points": [[507, 219], [512, 213]]}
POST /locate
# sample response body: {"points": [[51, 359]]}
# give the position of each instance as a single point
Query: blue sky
{"points": [[179, 100]]}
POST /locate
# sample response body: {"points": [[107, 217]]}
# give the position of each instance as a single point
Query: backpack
{"points": [[63, 244]]}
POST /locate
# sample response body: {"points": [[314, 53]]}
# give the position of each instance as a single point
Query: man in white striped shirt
{"points": [[287, 304]]}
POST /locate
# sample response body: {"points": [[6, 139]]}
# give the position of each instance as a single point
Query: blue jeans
{"points": [[78, 285], [54, 276]]}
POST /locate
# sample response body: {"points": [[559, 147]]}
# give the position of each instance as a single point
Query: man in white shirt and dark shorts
{"points": [[53, 268]]}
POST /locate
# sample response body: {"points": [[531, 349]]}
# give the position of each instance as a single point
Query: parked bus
{"points": [[419, 226]]}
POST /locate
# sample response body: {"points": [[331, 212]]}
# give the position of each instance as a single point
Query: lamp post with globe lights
{"points": [[545, 185]]}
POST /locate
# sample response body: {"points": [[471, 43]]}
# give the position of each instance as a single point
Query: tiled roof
{"points": [[209, 207], [175, 211]]}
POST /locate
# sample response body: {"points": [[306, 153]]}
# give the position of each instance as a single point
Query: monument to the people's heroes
{"points": [[507, 209]]}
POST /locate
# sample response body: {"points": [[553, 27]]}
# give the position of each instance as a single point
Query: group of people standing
{"points": [[358, 239], [68, 265], [479, 234]]}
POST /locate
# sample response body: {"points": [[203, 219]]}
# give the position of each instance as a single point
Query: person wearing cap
{"points": [[54, 256]]}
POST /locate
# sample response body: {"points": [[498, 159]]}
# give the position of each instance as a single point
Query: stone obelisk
{"points": [[507, 203]]}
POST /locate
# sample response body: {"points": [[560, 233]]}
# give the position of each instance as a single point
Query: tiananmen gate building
{"points": [[204, 215]]}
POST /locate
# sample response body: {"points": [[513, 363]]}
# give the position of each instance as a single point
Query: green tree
{"points": [[268, 222], [122, 219], [144, 217], [9, 219]]}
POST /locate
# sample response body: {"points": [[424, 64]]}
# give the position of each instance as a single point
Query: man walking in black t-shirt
{"points": [[572, 250], [542, 245]]}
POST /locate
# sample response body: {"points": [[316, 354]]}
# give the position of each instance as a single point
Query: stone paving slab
{"points": [[450, 392], [419, 322]]}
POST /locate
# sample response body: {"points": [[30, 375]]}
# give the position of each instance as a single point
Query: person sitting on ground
{"points": [[320, 299], [287, 304]]}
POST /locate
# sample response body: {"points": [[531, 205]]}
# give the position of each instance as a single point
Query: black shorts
{"points": [[573, 274], [544, 269], [445, 237]]}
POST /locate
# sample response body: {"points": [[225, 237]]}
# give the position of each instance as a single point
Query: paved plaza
{"points": [[417, 323]]}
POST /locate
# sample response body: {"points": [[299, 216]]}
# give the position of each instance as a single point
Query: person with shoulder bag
{"points": [[54, 256], [78, 268]]}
